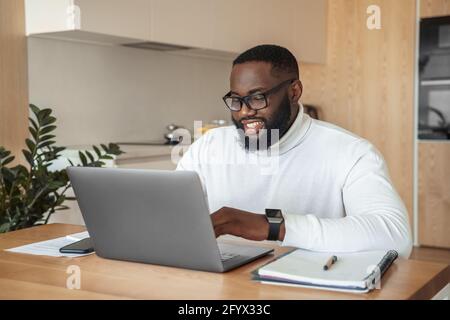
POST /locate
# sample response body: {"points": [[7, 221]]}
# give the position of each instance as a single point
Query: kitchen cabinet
{"points": [[236, 24], [130, 18], [434, 8], [310, 31], [183, 23], [299, 25], [434, 194], [213, 26], [111, 21], [230, 26]]}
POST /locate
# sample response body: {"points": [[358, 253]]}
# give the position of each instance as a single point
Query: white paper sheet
{"points": [[51, 247]]}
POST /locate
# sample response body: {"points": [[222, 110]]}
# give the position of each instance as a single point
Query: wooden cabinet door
{"points": [[434, 194], [226, 25], [186, 22], [276, 23], [299, 25], [310, 30], [236, 24], [434, 8]]}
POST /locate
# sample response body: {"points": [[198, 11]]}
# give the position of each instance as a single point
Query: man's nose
{"points": [[246, 111]]}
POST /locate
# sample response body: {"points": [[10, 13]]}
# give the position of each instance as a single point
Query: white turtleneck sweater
{"points": [[332, 186]]}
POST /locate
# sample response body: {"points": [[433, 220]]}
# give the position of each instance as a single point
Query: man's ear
{"points": [[296, 91]]}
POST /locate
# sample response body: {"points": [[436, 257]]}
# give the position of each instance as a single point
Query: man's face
{"points": [[256, 77]]}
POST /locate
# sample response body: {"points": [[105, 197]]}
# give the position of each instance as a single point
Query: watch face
{"points": [[274, 213]]}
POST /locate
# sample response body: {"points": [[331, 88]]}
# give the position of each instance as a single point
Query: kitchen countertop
{"points": [[131, 151], [133, 154]]}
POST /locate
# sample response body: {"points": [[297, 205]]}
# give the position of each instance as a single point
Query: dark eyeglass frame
{"points": [[264, 94]]}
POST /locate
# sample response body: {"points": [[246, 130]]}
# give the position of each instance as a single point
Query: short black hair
{"points": [[280, 58]]}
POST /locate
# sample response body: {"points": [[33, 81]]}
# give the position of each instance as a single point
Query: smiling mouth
{"points": [[252, 127]]}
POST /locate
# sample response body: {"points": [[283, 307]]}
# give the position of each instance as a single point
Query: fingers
{"points": [[221, 216], [222, 229]]}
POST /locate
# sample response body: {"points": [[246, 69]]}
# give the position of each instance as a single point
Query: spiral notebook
{"points": [[352, 272]]}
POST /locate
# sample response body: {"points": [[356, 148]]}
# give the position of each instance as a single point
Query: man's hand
{"points": [[241, 223]]}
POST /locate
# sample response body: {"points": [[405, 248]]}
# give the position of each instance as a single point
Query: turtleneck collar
{"points": [[295, 134], [293, 137]]}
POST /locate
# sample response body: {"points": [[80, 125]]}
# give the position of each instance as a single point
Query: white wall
{"points": [[105, 94]]}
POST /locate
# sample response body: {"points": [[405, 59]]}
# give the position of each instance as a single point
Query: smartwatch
{"points": [[275, 219]]}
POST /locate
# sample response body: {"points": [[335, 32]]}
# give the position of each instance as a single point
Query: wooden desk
{"points": [[40, 277]]}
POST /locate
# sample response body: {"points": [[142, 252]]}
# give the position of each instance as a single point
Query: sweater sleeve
{"points": [[376, 218]]}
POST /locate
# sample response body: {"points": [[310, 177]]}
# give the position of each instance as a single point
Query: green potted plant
{"points": [[30, 194]]}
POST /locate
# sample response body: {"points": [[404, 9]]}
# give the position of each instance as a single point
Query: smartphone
{"points": [[79, 247]]}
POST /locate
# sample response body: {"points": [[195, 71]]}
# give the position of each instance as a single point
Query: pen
{"points": [[330, 262]]}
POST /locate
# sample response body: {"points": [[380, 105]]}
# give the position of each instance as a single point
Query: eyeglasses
{"points": [[256, 101]]}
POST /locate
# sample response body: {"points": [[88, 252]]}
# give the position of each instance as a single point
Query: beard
{"points": [[273, 130]]}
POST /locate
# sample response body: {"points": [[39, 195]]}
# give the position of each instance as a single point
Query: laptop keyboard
{"points": [[224, 256]]}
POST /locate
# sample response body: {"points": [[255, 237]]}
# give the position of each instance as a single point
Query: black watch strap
{"points": [[275, 219], [274, 231]]}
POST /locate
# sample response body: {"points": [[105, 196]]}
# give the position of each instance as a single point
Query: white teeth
{"points": [[253, 124]]}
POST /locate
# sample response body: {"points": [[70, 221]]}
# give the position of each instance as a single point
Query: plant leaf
{"points": [[47, 129], [90, 156], [48, 120], [54, 185], [3, 151], [28, 157], [47, 137], [35, 109], [34, 124], [43, 115], [114, 149], [5, 161], [33, 132], [97, 151], [46, 144], [33, 193], [5, 227], [82, 158], [58, 149], [31, 145]]}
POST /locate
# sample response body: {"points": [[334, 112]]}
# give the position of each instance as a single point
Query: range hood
{"points": [[148, 45]]}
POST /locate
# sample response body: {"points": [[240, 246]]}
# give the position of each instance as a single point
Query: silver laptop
{"points": [[153, 216]]}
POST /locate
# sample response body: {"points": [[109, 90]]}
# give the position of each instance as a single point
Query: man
{"points": [[330, 189]]}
